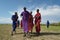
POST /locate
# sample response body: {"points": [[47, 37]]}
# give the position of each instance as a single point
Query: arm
{"points": [[21, 14], [40, 17], [12, 18]]}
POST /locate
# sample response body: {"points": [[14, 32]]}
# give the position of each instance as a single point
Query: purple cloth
{"points": [[25, 15]]}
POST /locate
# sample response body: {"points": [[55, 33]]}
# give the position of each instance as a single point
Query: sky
{"points": [[49, 9]]}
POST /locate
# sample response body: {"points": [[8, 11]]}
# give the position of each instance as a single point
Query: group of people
{"points": [[27, 21]]}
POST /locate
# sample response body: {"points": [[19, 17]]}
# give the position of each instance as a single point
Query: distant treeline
{"points": [[52, 24]]}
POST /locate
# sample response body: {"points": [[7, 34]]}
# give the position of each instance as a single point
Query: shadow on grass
{"points": [[19, 33], [34, 34], [44, 33]]}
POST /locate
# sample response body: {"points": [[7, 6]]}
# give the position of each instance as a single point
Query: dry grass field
{"points": [[51, 33]]}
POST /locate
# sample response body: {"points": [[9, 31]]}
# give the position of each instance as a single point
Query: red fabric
{"points": [[21, 24], [37, 22], [30, 22]]}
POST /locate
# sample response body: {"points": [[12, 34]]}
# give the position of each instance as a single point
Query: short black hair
{"points": [[15, 13], [24, 8], [37, 10]]}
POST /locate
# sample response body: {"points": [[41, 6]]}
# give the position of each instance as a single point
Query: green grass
{"points": [[51, 28], [5, 30]]}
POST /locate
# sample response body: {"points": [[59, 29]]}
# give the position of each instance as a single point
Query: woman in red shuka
{"points": [[37, 21], [30, 22]]}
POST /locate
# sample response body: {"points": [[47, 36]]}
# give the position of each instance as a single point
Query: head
{"points": [[47, 20], [31, 12], [37, 10], [16, 13], [24, 8]]}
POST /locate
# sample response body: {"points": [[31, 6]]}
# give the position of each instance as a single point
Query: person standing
{"points": [[48, 23], [14, 22], [30, 22], [25, 17], [37, 21]]}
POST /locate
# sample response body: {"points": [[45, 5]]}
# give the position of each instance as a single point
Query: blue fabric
{"points": [[14, 18], [14, 26], [47, 24]]}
